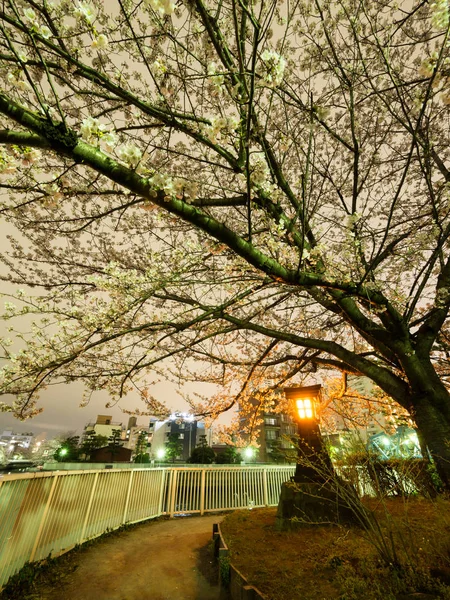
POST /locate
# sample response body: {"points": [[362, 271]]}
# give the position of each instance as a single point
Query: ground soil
{"points": [[342, 562], [163, 560]]}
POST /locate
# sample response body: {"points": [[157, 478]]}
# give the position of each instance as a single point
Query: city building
{"points": [[104, 426], [275, 438], [188, 430], [15, 443], [131, 434]]}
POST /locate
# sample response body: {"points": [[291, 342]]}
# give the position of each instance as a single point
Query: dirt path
{"points": [[163, 560]]}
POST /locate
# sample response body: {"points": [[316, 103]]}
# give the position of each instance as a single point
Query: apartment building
{"points": [[188, 430]]}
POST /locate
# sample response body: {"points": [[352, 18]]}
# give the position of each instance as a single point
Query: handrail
{"points": [[49, 512]]}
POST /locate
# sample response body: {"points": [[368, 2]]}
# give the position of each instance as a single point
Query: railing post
{"points": [[173, 490], [44, 516], [202, 492], [128, 497], [266, 498], [88, 510], [162, 488]]}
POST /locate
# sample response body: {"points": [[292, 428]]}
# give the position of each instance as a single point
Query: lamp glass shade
{"points": [[305, 408]]}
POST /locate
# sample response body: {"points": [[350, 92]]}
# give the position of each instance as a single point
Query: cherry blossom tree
{"points": [[232, 192]]}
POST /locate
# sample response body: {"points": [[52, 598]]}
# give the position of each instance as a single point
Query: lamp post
{"points": [[315, 495], [313, 460]]}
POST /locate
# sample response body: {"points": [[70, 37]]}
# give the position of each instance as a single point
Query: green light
{"points": [[248, 452], [63, 452]]}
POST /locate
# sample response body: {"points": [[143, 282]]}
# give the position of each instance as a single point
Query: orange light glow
{"points": [[305, 408]]}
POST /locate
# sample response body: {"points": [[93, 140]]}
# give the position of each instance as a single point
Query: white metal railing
{"points": [[44, 514]]}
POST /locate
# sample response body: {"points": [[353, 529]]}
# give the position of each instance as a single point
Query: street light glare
{"points": [[305, 408], [248, 452]]}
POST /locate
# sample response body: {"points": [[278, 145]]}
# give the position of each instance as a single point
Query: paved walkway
{"points": [[163, 560]]}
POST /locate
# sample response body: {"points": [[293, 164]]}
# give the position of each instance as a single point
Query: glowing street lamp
{"points": [[315, 494], [312, 456], [249, 453], [303, 402], [305, 408]]}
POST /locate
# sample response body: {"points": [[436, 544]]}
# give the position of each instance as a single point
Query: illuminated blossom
{"points": [[29, 16], [217, 79], [110, 140], [158, 67], [20, 84], [84, 11], [45, 32], [274, 67], [130, 154], [164, 7], [439, 14], [100, 42], [260, 174], [89, 128], [31, 156], [7, 163]]}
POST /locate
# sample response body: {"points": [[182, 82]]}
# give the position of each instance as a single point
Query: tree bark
{"points": [[435, 431]]}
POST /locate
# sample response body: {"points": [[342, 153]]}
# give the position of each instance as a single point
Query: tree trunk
{"points": [[435, 430]]}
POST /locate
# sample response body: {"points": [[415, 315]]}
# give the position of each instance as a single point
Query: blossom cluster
{"points": [[7, 163], [274, 66], [130, 154], [259, 172], [31, 156], [216, 78], [220, 126], [18, 82], [31, 19], [175, 186], [116, 279], [159, 68], [439, 14], [100, 42], [164, 7], [91, 129], [84, 11]]}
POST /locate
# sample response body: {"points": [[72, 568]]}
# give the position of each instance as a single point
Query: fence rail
{"points": [[44, 514]]}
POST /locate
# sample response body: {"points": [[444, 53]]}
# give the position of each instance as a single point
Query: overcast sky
{"points": [[62, 412]]}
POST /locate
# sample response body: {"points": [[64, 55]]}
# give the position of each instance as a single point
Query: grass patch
{"points": [[341, 563]]}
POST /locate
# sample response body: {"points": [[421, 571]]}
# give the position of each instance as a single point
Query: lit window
{"points": [[304, 408]]}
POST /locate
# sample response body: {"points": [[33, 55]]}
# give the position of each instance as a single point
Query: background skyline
{"points": [[62, 413]]}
